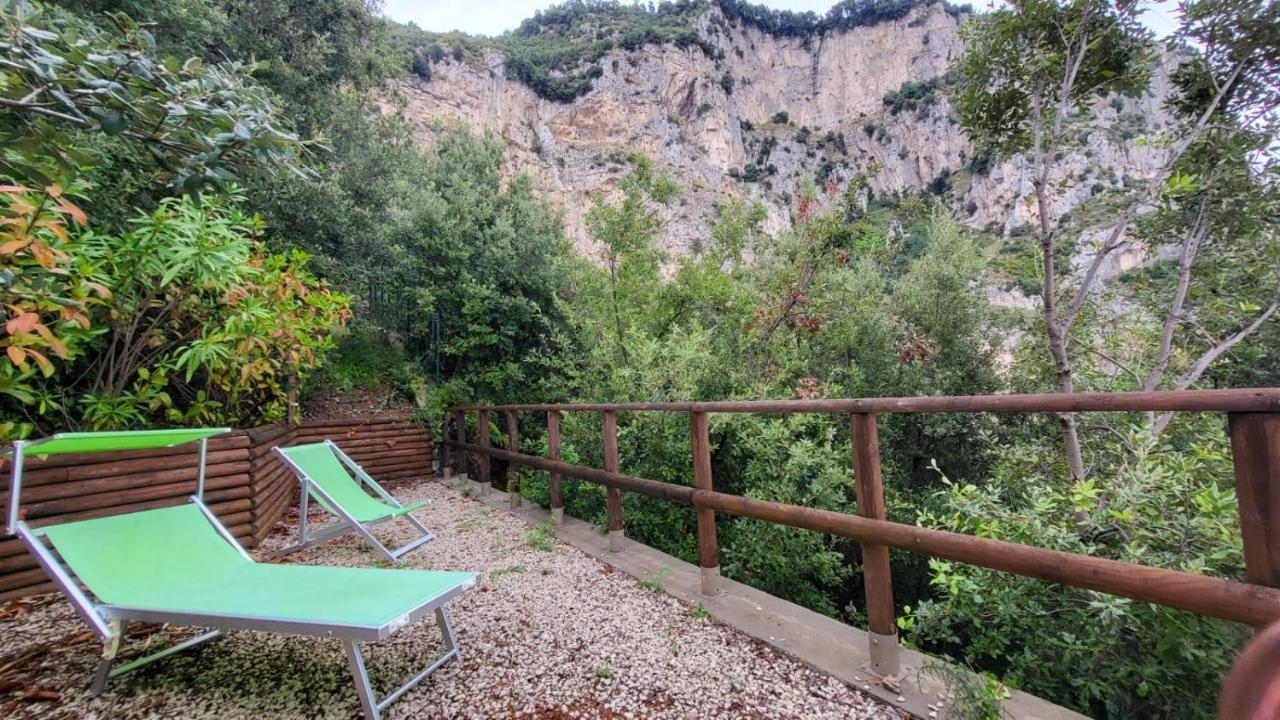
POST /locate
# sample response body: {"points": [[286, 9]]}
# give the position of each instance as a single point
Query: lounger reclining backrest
{"points": [[144, 555], [324, 468]]}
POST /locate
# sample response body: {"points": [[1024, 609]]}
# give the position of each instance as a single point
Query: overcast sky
{"points": [[494, 17]]}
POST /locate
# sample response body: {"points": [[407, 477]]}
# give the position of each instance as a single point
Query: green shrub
{"points": [[1102, 655]]}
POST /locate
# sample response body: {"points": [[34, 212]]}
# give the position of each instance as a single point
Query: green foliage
{"points": [[844, 15], [973, 696], [1015, 65], [916, 96], [1102, 655], [363, 359], [726, 82], [542, 538], [813, 314], [48, 291], [196, 303], [653, 581], [205, 123]]}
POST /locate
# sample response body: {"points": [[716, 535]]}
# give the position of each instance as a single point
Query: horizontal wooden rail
{"points": [[1235, 400], [1201, 594], [653, 488]]}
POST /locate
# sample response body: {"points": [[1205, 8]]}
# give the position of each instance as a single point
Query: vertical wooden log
{"points": [[513, 470], [460, 457], [708, 549], [446, 467], [1255, 451], [482, 462], [553, 451], [876, 576], [613, 496]]}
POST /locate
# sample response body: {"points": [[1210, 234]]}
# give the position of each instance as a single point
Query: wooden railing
{"points": [[1253, 419]]}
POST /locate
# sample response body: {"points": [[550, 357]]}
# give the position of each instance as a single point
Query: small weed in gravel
{"points": [[542, 537], [697, 612], [653, 581], [506, 571], [604, 673]]}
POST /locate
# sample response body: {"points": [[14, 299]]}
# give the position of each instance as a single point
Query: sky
{"points": [[494, 17]]}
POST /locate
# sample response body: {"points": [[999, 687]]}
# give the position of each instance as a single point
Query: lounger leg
{"points": [[364, 532], [323, 535], [424, 538], [368, 701], [446, 632], [303, 510], [110, 648], [361, 676]]}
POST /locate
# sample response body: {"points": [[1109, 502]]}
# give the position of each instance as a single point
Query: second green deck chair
{"points": [[322, 471]]}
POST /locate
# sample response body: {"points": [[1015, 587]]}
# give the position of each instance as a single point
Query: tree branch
{"points": [[1191, 240], [1153, 187]]}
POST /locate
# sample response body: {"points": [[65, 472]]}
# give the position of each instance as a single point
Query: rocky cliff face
{"points": [[715, 125]]}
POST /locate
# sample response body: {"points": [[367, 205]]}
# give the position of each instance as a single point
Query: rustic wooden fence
{"points": [[245, 484], [1253, 419]]}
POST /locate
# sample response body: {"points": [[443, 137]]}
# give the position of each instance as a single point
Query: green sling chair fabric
{"points": [[173, 559], [81, 442], [325, 469]]}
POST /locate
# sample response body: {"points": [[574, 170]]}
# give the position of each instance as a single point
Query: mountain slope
{"points": [[750, 112]]}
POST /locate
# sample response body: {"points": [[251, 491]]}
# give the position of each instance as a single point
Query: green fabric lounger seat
{"points": [[180, 565], [325, 473]]}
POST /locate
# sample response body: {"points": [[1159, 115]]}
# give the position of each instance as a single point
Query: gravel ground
{"points": [[548, 633]]}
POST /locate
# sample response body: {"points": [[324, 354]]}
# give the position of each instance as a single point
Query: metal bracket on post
{"points": [[710, 581], [886, 659]]}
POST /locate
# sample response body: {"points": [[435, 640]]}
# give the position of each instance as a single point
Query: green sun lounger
{"points": [[322, 472], [180, 565]]}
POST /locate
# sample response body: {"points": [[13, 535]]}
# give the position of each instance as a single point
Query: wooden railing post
{"points": [[1255, 451], [553, 483], [482, 462], [708, 550], [460, 457], [513, 470], [876, 576], [613, 496], [446, 467]]}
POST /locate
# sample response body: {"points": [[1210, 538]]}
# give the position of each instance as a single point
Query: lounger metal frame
{"points": [[345, 522], [109, 622]]}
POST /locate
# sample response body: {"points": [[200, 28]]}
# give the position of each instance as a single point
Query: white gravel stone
{"points": [[546, 634]]}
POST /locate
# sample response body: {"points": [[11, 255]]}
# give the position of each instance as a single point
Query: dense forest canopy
{"points": [[203, 216]]}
